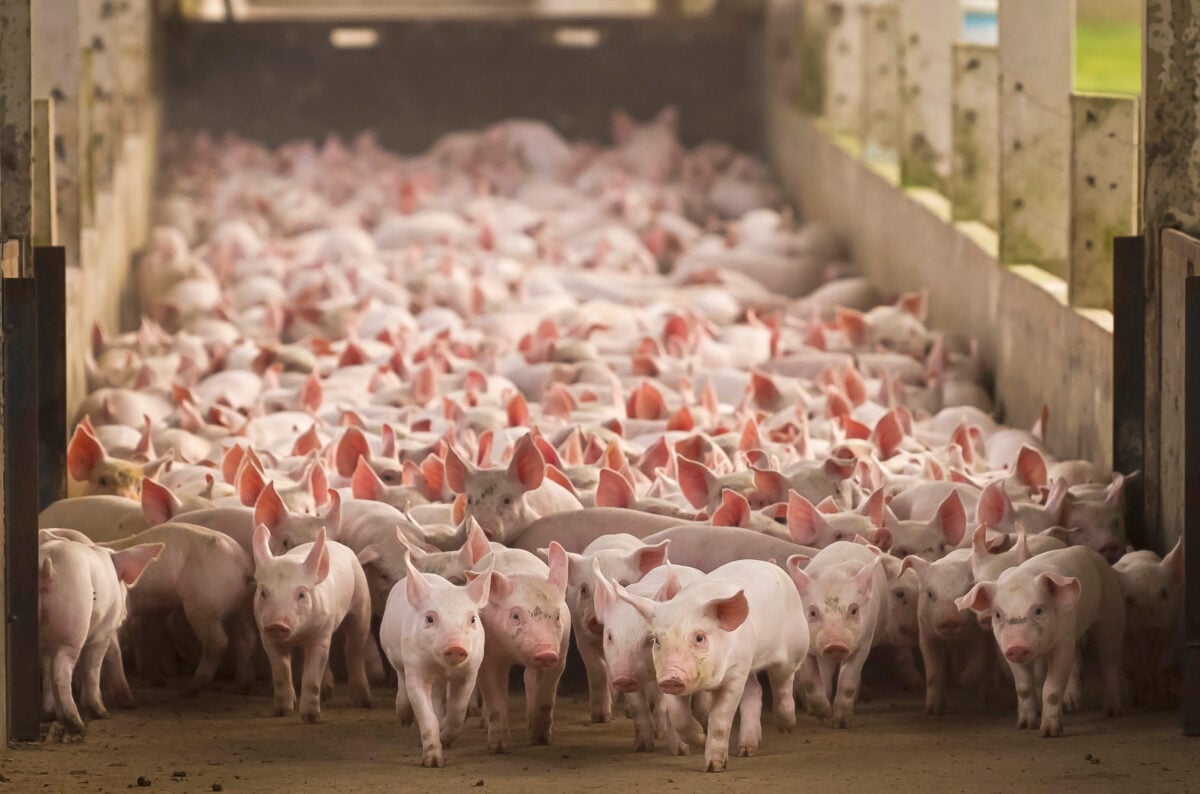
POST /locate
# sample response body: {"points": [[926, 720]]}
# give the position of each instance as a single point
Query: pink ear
{"points": [[994, 505], [433, 469], [307, 442], [352, 446], [873, 507], [476, 545], [853, 324], [771, 484], [1031, 467], [318, 484], [317, 561], [311, 394], [695, 480], [888, 435], [261, 545], [669, 588], [953, 519], [650, 557], [518, 411], [365, 484], [230, 462], [795, 568], [557, 560], [838, 467], [804, 521], [1174, 561], [914, 563], [416, 588], [623, 127], [914, 303], [269, 510], [83, 454], [131, 562], [865, 577], [528, 467], [333, 516], [250, 483], [1064, 590], [613, 490], [979, 598], [479, 589], [734, 510], [730, 612], [457, 471], [669, 118], [159, 505]]}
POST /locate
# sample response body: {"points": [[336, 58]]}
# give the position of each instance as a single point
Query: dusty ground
{"points": [[188, 746]]}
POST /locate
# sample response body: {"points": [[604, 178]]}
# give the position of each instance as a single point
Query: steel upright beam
{"points": [[49, 264], [1190, 716]]}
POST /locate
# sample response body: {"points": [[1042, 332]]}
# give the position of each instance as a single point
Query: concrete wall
{"points": [[1040, 350]]}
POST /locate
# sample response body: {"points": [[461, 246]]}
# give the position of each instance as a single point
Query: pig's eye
{"points": [[699, 638], [899, 595], [852, 611], [583, 589], [474, 620], [1163, 594], [507, 501], [623, 582], [608, 636], [300, 596], [389, 477], [429, 620], [901, 552], [286, 544], [1038, 612], [813, 614], [104, 482], [515, 615], [262, 592], [840, 536], [929, 594]]}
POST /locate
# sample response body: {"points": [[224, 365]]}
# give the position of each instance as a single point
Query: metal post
{"points": [[21, 508], [1129, 360], [49, 264], [1190, 716]]}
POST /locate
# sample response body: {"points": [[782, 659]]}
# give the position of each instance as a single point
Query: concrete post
{"points": [[975, 170], [927, 33], [16, 112], [880, 81], [843, 67]]}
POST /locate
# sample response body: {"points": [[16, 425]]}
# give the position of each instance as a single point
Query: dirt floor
{"points": [[223, 742]]}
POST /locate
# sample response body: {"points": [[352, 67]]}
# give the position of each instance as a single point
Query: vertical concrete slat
{"points": [[843, 68], [814, 43], [1104, 192], [1179, 258], [974, 167], [880, 81], [927, 33], [1037, 55], [45, 191], [16, 112], [1170, 199]]}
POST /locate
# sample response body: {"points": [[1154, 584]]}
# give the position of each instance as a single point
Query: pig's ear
{"points": [[731, 612], [557, 560], [1031, 467], [669, 588], [1060, 533], [669, 118], [365, 483], [865, 578], [250, 483], [317, 561], [918, 565], [152, 467], [269, 510], [772, 484], [458, 471], [979, 598], [1115, 495], [370, 554], [883, 538], [979, 546], [83, 454], [644, 606], [1064, 590], [1173, 562], [623, 127], [480, 588], [952, 519], [311, 394], [416, 588], [853, 324], [500, 588], [874, 506], [1021, 547], [459, 511], [994, 505], [613, 490], [527, 467], [333, 516], [603, 594], [914, 303], [231, 462], [131, 562], [795, 568], [695, 480], [159, 505], [648, 558], [350, 447], [804, 522], [262, 544], [476, 546], [414, 551], [839, 467]]}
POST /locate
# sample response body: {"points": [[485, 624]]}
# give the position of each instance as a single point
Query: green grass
{"points": [[1108, 58]]}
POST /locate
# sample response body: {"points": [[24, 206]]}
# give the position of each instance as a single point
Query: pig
{"points": [[1099, 518], [101, 518], [505, 502], [432, 634], [627, 657], [526, 622], [844, 588], [88, 462], [1153, 592], [708, 548], [1041, 611], [575, 529], [930, 539], [210, 577], [715, 635], [81, 604], [624, 559], [301, 598]]}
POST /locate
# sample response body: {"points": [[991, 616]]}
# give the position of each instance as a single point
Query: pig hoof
{"points": [[643, 746], [361, 701], [96, 711], [680, 748], [433, 759], [283, 711], [935, 709], [601, 716], [1051, 729], [311, 716], [539, 736], [54, 733], [73, 736], [497, 748], [747, 750], [716, 764]]}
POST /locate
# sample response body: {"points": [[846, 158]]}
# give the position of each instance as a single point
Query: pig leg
{"points": [[48, 711], [91, 661], [420, 692], [687, 730], [906, 668], [720, 722], [281, 678], [1108, 647], [357, 634], [404, 707], [540, 707], [849, 680], [784, 701], [643, 722], [935, 675], [599, 695], [1058, 672], [493, 683], [816, 693], [65, 709], [316, 666], [750, 717], [116, 685], [1073, 694], [1025, 681], [458, 694], [213, 644], [147, 651], [245, 643]]}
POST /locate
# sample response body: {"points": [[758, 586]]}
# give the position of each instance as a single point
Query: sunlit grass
{"points": [[1108, 58]]}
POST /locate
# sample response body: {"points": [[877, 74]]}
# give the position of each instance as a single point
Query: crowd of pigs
{"points": [[440, 413]]}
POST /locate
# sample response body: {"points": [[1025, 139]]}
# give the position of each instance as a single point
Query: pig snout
{"points": [[1018, 654], [626, 684], [951, 626], [545, 656], [455, 653], [835, 651], [278, 630], [672, 682]]}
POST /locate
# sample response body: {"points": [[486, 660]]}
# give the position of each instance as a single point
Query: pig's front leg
{"points": [[687, 730], [782, 680], [815, 696], [1024, 682], [458, 696], [936, 660], [720, 721], [357, 628], [643, 722], [1058, 673], [750, 717], [1073, 693], [420, 690], [849, 680], [493, 685], [245, 643], [599, 694], [213, 643], [404, 707], [280, 659], [540, 700], [316, 660]]}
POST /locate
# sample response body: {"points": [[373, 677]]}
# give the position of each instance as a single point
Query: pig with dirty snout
{"points": [[1153, 591], [433, 636], [301, 598], [81, 604], [506, 501], [1041, 611], [714, 636]]}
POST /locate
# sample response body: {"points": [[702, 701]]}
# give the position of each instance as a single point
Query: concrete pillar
{"points": [[1037, 67], [16, 112], [843, 67], [880, 81], [975, 170], [927, 33]]}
